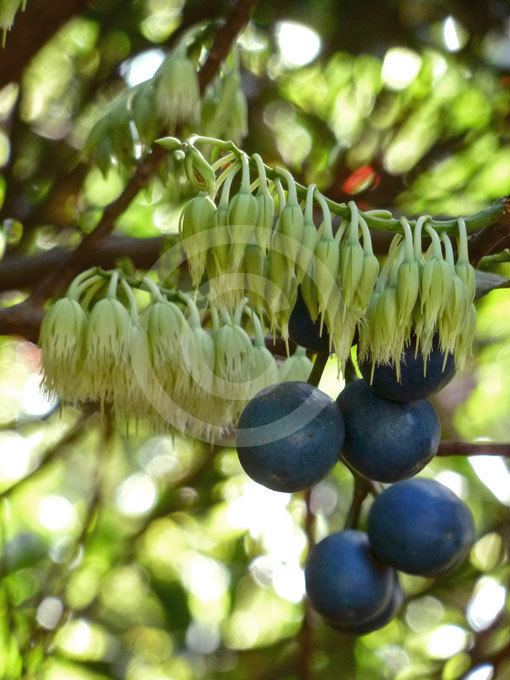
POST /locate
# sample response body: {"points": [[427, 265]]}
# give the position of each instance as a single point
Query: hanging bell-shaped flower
{"points": [[309, 239], [255, 275], [326, 259], [195, 230], [369, 273], [408, 279], [290, 222], [296, 367], [62, 342], [177, 90], [351, 258], [242, 217], [198, 171], [266, 208]]}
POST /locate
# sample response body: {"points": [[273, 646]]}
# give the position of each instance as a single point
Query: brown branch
{"points": [[20, 272], [458, 448], [32, 29], [489, 240], [305, 635]]}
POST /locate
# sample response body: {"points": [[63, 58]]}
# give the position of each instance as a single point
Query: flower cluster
{"points": [[261, 241], [163, 359]]}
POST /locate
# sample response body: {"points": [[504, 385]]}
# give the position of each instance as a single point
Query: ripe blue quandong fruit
{"points": [[306, 332], [417, 381], [385, 440], [419, 526], [289, 436], [376, 621], [348, 585]]}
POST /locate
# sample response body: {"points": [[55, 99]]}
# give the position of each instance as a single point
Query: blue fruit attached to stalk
{"points": [[421, 527], [419, 379], [289, 436], [385, 440], [346, 583]]}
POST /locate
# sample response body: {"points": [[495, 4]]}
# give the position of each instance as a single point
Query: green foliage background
{"points": [[154, 558]]}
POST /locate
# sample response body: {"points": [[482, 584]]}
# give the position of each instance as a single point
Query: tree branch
{"points": [[458, 448]]}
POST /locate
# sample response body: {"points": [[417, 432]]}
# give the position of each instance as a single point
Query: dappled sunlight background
{"points": [[149, 556]]}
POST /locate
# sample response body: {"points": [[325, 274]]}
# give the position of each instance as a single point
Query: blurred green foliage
{"points": [[148, 557]]}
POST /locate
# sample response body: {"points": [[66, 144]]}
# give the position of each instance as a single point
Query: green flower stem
{"points": [[153, 289], [73, 289], [91, 292], [309, 203], [327, 227], [262, 174], [133, 309], [367, 239], [448, 250], [354, 221], [418, 254], [436, 243], [291, 186], [479, 220], [111, 293], [282, 201], [463, 255], [408, 239], [226, 178]]}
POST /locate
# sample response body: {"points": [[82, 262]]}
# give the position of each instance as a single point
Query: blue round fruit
{"points": [[419, 526], [386, 440], [345, 582], [306, 332], [417, 381], [376, 621], [289, 436]]}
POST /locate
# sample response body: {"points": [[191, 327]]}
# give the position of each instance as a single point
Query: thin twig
{"points": [[459, 448], [51, 453], [361, 490]]}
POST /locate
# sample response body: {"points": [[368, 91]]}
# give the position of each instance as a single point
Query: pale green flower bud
{"points": [[264, 369], [290, 222], [107, 347], [266, 208], [62, 341], [221, 238], [148, 123], [195, 229], [453, 318], [198, 171], [310, 237], [435, 282], [309, 292], [408, 279], [239, 117], [242, 217], [278, 273], [233, 353], [177, 90], [369, 273], [167, 336], [296, 367], [287, 302], [200, 356], [351, 258], [463, 266], [254, 268], [326, 259], [465, 341]]}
